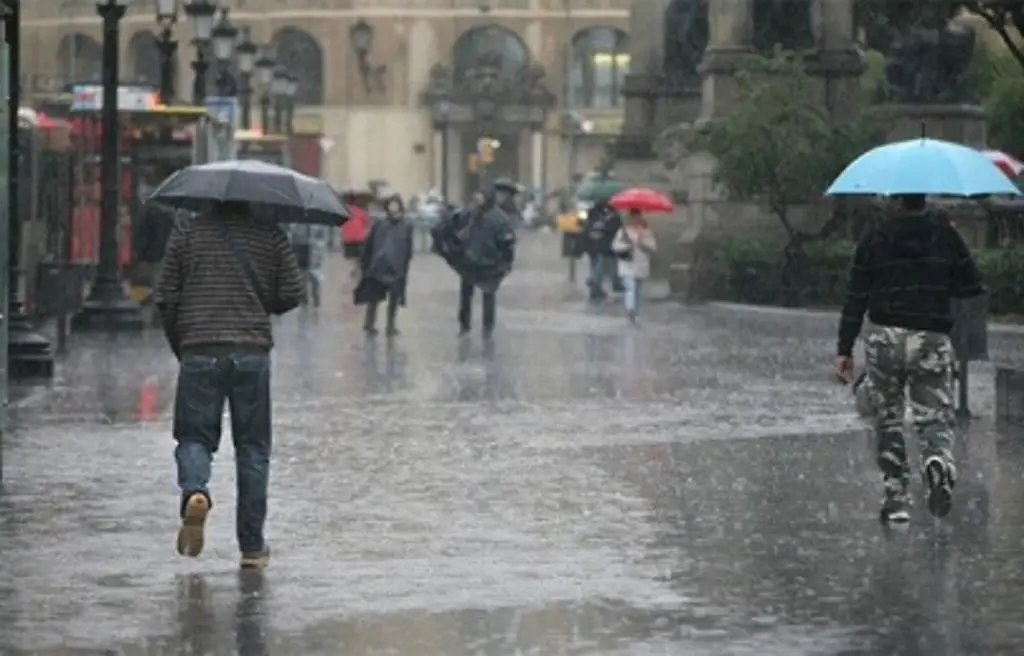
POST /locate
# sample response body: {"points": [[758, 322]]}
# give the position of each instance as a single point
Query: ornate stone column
{"points": [[837, 61], [730, 37], [647, 27]]}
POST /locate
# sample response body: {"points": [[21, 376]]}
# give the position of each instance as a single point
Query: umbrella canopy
{"points": [[275, 191], [643, 199], [922, 166], [1008, 164], [507, 185], [599, 190]]}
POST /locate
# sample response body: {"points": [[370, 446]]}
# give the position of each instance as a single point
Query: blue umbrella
{"points": [[923, 166]]}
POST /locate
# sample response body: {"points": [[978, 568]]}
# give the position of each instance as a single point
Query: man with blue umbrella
{"points": [[903, 276]]}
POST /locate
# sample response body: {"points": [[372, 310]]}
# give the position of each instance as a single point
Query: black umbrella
{"points": [[506, 184], [274, 191]]}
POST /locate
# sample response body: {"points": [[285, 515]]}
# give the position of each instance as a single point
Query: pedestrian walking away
{"points": [[385, 262], [355, 230], [903, 275], [310, 245], [633, 247], [224, 275]]}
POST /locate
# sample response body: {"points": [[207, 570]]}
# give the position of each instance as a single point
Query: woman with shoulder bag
{"points": [[633, 247]]}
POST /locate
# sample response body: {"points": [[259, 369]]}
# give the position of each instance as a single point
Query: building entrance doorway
{"points": [[489, 156]]}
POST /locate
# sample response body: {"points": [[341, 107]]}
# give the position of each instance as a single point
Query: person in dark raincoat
{"points": [[479, 244], [506, 192], [599, 230], [385, 262]]}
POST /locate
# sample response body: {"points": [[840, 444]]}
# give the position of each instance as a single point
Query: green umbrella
{"points": [[599, 190]]}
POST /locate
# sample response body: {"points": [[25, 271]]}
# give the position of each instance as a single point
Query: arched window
{"points": [[302, 55], [144, 59], [478, 42], [598, 67], [79, 58]]}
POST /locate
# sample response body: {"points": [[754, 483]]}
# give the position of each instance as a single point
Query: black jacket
{"points": [[600, 228], [904, 274]]}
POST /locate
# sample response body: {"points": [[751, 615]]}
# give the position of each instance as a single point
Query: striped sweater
{"points": [[203, 293]]}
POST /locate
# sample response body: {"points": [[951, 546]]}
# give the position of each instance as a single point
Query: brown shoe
{"points": [[255, 559], [193, 524]]}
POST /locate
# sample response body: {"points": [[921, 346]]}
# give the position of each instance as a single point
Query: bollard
{"points": [[970, 342], [149, 395]]}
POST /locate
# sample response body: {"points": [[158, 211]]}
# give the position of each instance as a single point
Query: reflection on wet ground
{"points": [[695, 486]]}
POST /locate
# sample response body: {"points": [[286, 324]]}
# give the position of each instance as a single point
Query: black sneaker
{"points": [[896, 504], [463, 331], [940, 478], [370, 331]]}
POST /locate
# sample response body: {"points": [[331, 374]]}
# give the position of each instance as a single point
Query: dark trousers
{"points": [[206, 379], [466, 307], [371, 313]]}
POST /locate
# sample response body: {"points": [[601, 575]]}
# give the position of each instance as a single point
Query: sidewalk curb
{"points": [[832, 315]]}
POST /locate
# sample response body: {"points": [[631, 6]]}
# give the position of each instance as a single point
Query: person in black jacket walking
{"points": [[599, 230], [903, 276]]}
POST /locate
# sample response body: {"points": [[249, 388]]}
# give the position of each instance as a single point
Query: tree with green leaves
{"points": [[777, 145]]}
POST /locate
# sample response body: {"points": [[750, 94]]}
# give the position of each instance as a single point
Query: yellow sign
{"points": [[569, 222]]}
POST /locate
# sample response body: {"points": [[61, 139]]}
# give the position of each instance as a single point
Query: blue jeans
{"points": [[602, 268], [634, 288], [206, 379]]}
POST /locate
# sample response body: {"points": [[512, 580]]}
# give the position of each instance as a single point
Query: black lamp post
{"points": [[246, 52], [201, 12], [108, 307], [279, 91], [291, 90], [225, 36], [166, 17], [30, 355], [443, 110], [265, 66]]}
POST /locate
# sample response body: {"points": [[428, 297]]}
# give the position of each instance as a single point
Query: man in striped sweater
{"points": [[224, 274]]}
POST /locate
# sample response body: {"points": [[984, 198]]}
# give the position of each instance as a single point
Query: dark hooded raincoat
{"points": [[386, 256], [478, 244]]}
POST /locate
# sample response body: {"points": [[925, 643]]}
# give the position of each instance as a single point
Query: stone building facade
{"points": [[557, 67]]}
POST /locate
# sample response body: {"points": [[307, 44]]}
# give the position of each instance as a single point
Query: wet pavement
{"points": [[697, 485]]}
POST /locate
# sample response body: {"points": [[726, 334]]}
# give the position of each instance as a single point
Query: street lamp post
{"points": [[265, 66], [246, 52], [29, 354], [290, 91], [201, 12], [108, 307], [225, 37], [166, 17], [444, 110], [279, 91]]}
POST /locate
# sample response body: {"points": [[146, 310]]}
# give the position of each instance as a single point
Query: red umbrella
{"points": [[1009, 164], [641, 198]]}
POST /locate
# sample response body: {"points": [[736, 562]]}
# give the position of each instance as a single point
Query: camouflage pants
{"points": [[915, 368]]}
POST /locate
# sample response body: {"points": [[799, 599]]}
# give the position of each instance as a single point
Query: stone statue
{"points": [[783, 23], [926, 55], [529, 82], [687, 33]]}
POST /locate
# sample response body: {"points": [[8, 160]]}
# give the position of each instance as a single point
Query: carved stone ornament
{"points": [[486, 94], [672, 146], [927, 57]]}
